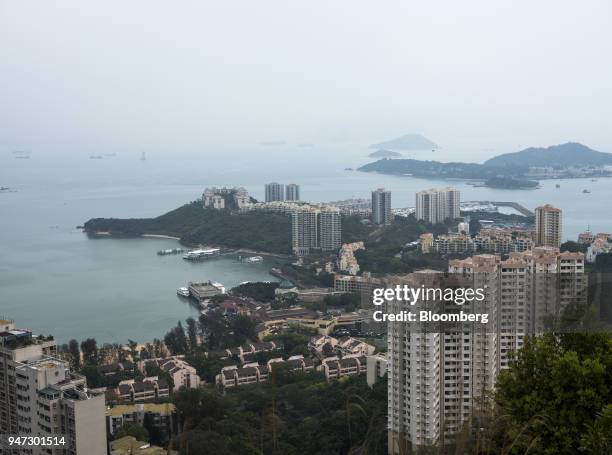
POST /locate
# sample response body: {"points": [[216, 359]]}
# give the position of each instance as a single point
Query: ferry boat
{"points": [[170, 251], [253, 259], [183, 292], [197, 255], [219, 286]]}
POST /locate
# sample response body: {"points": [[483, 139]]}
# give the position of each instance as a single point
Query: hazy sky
{"points": [[474, 76]]}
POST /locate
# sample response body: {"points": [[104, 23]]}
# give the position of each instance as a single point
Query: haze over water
{"points": [[54, 279]]}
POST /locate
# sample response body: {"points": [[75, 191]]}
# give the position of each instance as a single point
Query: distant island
{"points": [[406, 142], [510, 170], [571, 154], [382, 153]]}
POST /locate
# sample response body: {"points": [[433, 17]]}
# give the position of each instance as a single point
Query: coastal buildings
{"points": [[503, 241], [40, 396], [452, 244], [361, 284], [437, 379], [346, 259], [222, 198], [292, 192], [275, 192], [254, 373], [585, 238], [181, 372], [273, 321], [315, 228], [330, 229], [548, 226], [437, 205], [350, 365], [494, 241], [304, 230], [376, 367], [161, 416], [381, 207], [426, 242], [147, 390], [205, 289], [342, 346], [600, 244], [247, 352], [354, 206]]}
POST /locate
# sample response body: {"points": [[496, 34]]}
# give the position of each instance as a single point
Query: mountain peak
{"points": [[406, 142], [568, 154]]}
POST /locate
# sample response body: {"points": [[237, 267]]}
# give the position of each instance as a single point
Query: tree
{"points": [[158, 348], [133, 345], [176, 341], [243, 328], [75, 354], [204, 443], [89, 347], [598, 438], [192, 333], [131, 429], [93, 376], [213, 327], [554, 390], [573, 247], [263, 292]]}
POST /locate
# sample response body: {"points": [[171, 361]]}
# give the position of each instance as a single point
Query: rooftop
{"points": [[162, 409]]}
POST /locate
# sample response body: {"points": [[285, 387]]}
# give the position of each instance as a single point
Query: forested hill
{"points": [[436, 169], [195, 225], [571, 154]]}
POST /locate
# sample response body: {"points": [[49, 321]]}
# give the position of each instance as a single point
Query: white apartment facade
{"points": [[292, 192], [315, 228], [381, 207], [40, 396], [437, 205], [549, 228], [330, 229], [437, 380], [275, 192]]}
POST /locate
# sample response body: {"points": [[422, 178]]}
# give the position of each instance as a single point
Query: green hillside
{"points": [[196, 225]]}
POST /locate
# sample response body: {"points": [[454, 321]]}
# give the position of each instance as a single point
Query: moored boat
{"points": [[183, 292]]}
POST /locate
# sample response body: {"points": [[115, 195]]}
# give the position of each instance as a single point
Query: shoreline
{"points": [[160, 236], [178, 239]]}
